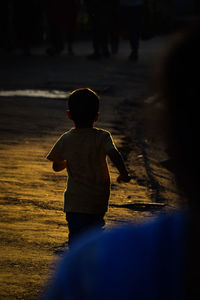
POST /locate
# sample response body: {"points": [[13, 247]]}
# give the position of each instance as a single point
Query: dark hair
{"points": [[83, 105], [179, 88]]}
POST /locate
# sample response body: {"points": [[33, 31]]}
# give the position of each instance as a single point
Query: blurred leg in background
{"points": [[131, 21], [62, 20], [99, 14]]}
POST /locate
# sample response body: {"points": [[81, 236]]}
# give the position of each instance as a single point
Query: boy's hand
{"points": [[123, 178], [59, 165], [116, 158]]}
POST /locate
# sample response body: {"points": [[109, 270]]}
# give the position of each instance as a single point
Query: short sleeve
{"points": [[108, 142], [56, 153]]}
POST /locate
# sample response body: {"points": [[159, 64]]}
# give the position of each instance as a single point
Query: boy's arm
{"points": [[56, 156], [117, 160]]}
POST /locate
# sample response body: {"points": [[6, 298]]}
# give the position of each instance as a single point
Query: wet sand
{"points": [[32, 226]]}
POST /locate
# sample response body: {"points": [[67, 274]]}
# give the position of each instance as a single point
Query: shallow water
{"points": [[35, 93]]}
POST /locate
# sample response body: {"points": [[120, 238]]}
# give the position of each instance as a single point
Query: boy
{"points": [[83, 151]]}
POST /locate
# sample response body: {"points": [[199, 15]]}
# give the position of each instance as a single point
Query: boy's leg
{"points": [[79, 223]]}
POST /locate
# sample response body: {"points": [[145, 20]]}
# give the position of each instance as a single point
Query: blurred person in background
{"points": [[105, 28], [131, 15], [62, 19]]}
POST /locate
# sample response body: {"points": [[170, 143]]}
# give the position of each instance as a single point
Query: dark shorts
{"points": [[79, 223]]}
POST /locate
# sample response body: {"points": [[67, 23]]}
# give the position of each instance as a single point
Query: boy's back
{"points": [[85, 151], [82, 151]]}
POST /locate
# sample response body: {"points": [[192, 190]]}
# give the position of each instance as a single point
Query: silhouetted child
{"points": [[82, 151]]}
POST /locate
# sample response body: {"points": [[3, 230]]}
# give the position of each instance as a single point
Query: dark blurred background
{"points": [[25, 24]]}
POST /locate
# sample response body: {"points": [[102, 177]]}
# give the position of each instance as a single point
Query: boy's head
{"points": [[83, 105]]}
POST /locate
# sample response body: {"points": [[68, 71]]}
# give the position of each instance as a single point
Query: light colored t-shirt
{"points": [[88, 186]]}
